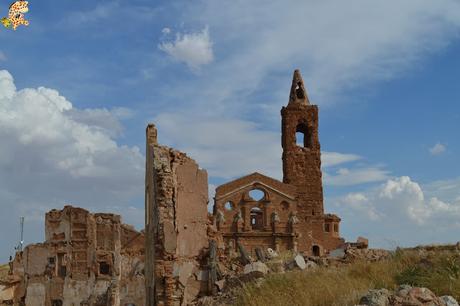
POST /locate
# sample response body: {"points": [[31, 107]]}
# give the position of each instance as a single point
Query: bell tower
{"points": [[301, 150]]}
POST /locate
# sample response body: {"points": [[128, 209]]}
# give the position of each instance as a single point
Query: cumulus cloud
{"points": [[338, 45], [330, 159], [229, 148], [53, 154], [399, 211], [355, 176], [437, 149], [194, 49]]}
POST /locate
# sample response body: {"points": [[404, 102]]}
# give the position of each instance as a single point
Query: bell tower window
{"points": [[299, 91], [303, 136]]}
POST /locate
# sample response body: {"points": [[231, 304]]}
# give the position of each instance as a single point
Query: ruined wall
{"points": [[176, 224], [87, 259], [256, 223]]}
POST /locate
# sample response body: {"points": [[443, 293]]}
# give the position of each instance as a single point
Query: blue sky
{"points": [[78, 86]]}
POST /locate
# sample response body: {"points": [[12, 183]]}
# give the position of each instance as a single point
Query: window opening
{"points": [[228, 206], [299, 91], [257, 221], [303, 137], [257, 194], [104, 268]]}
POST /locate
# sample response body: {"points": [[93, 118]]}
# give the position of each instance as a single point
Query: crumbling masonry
{"points": [[87, 259], [176, 193], [289, 215], [94, 259]]}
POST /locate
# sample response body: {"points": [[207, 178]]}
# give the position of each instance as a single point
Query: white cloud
{"points": [[399, 211], [330, 159], [230, 148], [166, 31], [226, 148], [355, 176], [2, 57], [437, 149], [194, 49], [360, 202], [53, 154], [338, 45]]}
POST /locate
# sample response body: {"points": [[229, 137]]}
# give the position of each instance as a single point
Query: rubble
{"points": [[256, 269], [185, 253], [370, 255], [406, 295], [86, 258]]}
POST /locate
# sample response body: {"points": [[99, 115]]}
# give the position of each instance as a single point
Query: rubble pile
{"points": [[406, 295], [370, 255]]}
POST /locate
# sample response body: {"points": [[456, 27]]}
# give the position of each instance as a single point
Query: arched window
{"points": [[228, 206], [257, 218], [257, 194], [303, 136], [299, 91], [315, 250]]}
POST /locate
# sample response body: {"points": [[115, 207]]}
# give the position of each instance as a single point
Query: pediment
{"points": [[255, 178]]}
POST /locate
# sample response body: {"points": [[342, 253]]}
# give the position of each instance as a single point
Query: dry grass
{"points": [[439, 271]]}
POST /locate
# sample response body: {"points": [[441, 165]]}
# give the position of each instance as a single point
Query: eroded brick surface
{"points": [[86, 259], [176, 224], [290, 215]]}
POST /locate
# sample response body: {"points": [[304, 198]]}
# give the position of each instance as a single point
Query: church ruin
{"points": [[288, 215], [95, 259]]}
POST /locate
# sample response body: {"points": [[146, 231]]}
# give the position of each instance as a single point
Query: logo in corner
{"points": [[16, 15]]}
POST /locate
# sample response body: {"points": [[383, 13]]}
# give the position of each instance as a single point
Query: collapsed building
{"points": [[182, 244], [86, 259], [94, 259]]}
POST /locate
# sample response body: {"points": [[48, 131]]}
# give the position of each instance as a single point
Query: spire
{"points": [[298, 93]]}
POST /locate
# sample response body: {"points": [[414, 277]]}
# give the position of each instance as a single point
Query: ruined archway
{"points": [[316, 250], [257, 219]]}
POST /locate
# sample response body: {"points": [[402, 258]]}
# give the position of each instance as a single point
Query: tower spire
{"points": [[298, 93]]}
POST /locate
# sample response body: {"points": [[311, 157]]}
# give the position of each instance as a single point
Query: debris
{"points": [[212, 267], [376, 297], [271, 253], [256, 269], [260, 255], [244, 256], [337, 253], [220, 284]]}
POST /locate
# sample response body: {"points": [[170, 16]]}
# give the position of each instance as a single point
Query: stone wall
{"points": [[176, 224], [87, 259]]}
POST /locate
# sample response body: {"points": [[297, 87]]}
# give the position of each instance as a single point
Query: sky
{"points": [[80, 83]]}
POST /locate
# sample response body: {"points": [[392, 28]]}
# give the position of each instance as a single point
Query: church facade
{"points": [[258, 211]]}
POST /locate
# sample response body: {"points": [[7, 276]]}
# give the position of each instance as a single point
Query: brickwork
{"points": [[86, 259], [176, 224], [292, 211]]}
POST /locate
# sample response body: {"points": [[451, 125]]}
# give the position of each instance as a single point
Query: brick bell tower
{"points": [[302, 161]]}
